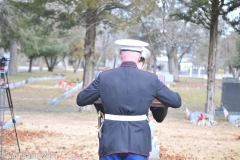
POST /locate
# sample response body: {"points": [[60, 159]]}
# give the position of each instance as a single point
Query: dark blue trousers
{"points": [[124, 156]]}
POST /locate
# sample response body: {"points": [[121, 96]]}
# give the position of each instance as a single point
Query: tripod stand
{"points": [[4, 85]]}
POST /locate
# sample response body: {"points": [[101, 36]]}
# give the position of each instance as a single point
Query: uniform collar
{"points": [[129, 64]]}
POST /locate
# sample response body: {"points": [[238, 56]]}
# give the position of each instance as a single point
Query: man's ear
{"points": [[139, 58], [120, 54]]}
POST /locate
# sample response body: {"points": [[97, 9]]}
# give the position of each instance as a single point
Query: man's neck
{"points": [[128, 56], [130, 60]]}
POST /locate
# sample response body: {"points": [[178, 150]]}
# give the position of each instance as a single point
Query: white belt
{"points": [[126, 118]]}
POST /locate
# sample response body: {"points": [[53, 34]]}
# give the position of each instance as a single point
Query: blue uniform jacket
{"points": [[127, 90]]}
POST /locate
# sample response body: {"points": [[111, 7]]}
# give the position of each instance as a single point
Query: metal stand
{"points": [[5, 90]]}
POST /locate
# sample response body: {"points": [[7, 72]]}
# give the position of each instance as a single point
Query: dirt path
{"points": [[72, 136]]}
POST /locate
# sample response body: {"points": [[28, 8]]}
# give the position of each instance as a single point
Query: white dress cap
{"points": [[145, 53], [131, 44]]}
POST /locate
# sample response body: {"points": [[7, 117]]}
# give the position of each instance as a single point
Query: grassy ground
{"points": [[34, 97], [70, 76], [192, 90], [61, 132]]}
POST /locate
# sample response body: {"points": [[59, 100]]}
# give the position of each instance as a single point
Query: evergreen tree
{"points": [[50, 50], [87, 13], [9, 34]]}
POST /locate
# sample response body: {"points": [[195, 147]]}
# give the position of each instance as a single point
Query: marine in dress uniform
{"points": [[126, 93], [159, 113]]}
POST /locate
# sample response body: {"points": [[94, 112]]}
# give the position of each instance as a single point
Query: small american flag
{"points": [[225, 112], [187, 111]]}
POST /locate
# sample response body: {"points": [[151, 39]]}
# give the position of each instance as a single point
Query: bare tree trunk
{"points": [[150, 63], [176, 73], [12, 68], [64, 61], [105, 42], [151, 45], [171, 62], [238, 73], [46, 60], [64, 64], [88, 70], [115, 59], [210, 104], [53, 60], [232, 71], [18, 56], [89, 48], [100, 57], [76, 66], [51, 64], [30, 64], [1, 51], [40, 63], [154, 64]]}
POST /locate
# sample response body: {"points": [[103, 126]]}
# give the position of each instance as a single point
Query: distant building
{"points": [[185, 65]]}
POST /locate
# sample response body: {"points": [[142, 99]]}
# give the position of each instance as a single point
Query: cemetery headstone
{"points": [[219, 111], [231, 96], [155, 146], [233, 118], [230, 80], [168, 79], [161, 78]]}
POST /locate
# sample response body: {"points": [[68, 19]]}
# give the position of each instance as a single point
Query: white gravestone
{"points": [[155, 146]]}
